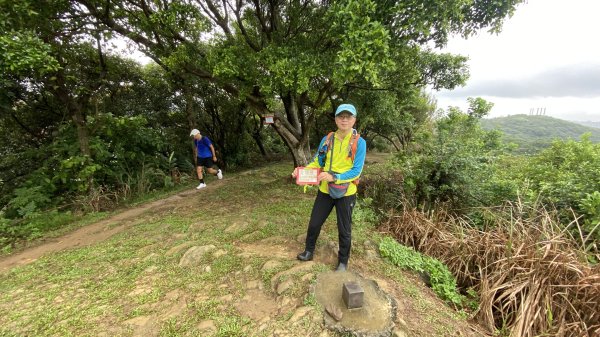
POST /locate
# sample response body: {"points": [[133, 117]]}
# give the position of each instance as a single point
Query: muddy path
{"points": [[92, 233]]}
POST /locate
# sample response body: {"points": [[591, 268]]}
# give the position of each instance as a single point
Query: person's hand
{"points": [[326, 176], [295, 173], [215, 159]]}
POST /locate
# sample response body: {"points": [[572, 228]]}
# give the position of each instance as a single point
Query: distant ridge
{"points": [[589, 123], [533, 133]]}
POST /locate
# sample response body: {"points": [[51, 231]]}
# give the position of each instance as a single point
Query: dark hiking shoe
{"points": [[305, 256]]}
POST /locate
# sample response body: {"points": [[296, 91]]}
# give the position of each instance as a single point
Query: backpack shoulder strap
{"points": [[328, 140], [353, 144], [324, 148]]}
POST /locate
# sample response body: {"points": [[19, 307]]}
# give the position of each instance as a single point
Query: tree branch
{"points": [[261, 19], [238, 18], [217, 17], [388, 139]]}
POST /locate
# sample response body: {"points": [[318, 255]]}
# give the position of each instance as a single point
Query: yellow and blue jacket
{"points": [[347, 170]]}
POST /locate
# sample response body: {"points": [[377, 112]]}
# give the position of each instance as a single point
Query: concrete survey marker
{"points": [[353, 295], [375, 318]]}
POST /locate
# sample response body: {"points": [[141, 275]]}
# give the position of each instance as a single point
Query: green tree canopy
{"points": [[307, 55]]}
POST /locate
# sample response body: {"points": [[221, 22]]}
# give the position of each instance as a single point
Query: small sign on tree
{"points": [[269, 119]]}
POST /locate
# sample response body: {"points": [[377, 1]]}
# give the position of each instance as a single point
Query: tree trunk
{"points": [[302, 155], [189, 107], [293, 127], [83, 135], [404, 138], [258, 140], [256, 134], [391, 141], [75, 110], [299, 146]]}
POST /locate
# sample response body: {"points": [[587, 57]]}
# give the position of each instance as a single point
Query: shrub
{"points": [[442, 281], [34, 226], [564, 174], [590, 206], [28, 201], [384, 188], [454, 165]]}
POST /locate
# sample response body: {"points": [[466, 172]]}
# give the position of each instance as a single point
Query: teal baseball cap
{"points": [[346, 107]]}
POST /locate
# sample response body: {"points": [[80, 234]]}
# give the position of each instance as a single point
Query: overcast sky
{"points": [[547, 56]]}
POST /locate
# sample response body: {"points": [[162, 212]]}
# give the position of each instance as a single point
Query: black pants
{"points": [[321, 209]]}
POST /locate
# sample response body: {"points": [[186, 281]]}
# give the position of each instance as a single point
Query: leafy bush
{"points": [[33, 226], [454, 163], [461, 166], [384, 188], [564, 174], [127, 159], [565, 177], [7, 234], [363, 215], [590, 206], [29, 200], [442, 281]]}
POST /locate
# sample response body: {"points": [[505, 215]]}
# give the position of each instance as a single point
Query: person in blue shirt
{"points": [[204, 157]]}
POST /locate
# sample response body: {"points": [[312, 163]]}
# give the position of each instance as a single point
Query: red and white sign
{"points": [[307, 176]]}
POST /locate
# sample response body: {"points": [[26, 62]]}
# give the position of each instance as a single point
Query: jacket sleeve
{"points": [[357, 166], [315, 162]]}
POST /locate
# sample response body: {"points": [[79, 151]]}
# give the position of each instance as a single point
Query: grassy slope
{"points": [[532, 133], [105, 288]]}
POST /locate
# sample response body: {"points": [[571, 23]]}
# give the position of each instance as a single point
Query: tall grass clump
{"points": [[531, 275]]}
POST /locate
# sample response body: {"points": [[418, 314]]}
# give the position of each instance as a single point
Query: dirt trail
{"points": [[89, 234], [106, 228]]}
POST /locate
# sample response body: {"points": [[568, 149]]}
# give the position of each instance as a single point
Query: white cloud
{"points": [[579, 80], [546, 56], [567, 108]]}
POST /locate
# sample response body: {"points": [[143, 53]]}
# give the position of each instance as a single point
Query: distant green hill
{"points": [[590, 123], [533, 133]]}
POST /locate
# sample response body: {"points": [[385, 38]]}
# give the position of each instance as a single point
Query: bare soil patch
{"points": [[93, 233]]}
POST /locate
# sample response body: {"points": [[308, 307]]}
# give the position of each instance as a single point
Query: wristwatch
{"points": [[335, 176]]}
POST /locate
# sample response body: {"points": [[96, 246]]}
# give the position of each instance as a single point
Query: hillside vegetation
{"points": [[461, 198], [589, 124], [533, 133], [217, 262]]}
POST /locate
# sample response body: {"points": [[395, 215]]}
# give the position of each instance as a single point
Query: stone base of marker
{"points": [[374, 319], [353, 295]]}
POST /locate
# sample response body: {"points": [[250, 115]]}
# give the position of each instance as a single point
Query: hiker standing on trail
{"points": [[341, 157], [204, 154]]}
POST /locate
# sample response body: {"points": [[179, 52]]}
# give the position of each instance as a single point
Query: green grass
{"points": [[85, 291], [232, 326], [53, 223], [78, 283]]}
